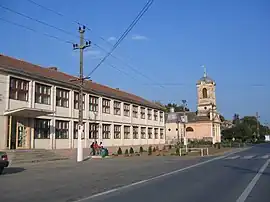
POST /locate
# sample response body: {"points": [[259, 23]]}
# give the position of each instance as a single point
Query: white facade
{"points": [[23, 123]]}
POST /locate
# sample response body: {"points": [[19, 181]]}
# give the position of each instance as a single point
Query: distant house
{"points": [[205, 124]]}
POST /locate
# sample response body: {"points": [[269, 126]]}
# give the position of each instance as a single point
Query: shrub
{"points": [[149, 150], [131, 151], [141, 149], [177, 151], [119, 152], [126, 152]]}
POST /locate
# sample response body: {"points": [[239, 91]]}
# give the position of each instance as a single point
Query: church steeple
{"points": [[205, 93]]}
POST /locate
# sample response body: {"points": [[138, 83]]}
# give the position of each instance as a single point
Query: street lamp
{"points": [[184, 104]]}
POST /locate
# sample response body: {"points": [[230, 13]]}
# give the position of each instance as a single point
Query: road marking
{"points": [[157, 177], [252, 184], [233, 157], [265, 156], [248, 157]]}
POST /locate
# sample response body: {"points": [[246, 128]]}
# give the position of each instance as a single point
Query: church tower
{"points": [[206, 95]]}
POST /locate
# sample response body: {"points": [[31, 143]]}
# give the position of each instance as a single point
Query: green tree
{"points": [[177, 108], [236, 119]]}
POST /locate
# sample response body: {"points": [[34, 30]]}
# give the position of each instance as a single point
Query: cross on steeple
{"points": [[204, 71]]}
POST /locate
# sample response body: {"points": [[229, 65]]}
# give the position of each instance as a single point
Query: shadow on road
{"points": [[246, 170], [13, 170]]}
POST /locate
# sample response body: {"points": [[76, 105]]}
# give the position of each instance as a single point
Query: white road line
{"points": [[157, 177], [232, 157], [252, 184], [248, 157], [265, 156]]}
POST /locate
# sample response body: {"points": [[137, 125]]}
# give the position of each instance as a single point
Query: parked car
{"points": [[3, 161]]}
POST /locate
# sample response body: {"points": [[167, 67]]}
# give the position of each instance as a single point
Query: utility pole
{"points": [[185, 138], [258, 124], [81, 47]]}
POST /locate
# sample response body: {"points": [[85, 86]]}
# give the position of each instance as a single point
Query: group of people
{"points": [[95, 148]]}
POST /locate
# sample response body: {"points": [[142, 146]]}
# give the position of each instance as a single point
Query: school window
{"points": [[135, 111], [149, 133], [75, 130], [61, 129], [106, 106], [117, 108], [117, 132], [161, 116], [156, 133], [126, 110], [18, 89], [76, 100], [42, 129], [126, 132], [149, 114], [93, 131], [161, 133], [142, 113], [62, 97], [42, 94], [143, 131], [93, 103], [155, 115], [106, 131], [135, 132]]}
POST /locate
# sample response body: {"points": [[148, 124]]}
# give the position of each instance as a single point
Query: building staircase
{"points": [[34, 156]]}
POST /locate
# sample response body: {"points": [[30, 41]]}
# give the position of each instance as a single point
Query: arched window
{"points": [[189, 129], [204, 92]]}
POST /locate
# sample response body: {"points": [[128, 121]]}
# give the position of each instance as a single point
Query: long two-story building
{"points": [[39, 110]]}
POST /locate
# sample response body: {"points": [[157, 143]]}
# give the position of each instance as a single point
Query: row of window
{"points": [[42, 131], [19, 90]]}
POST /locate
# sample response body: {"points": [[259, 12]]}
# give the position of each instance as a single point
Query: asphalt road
{"points": [[227, 178], [240, 177]]}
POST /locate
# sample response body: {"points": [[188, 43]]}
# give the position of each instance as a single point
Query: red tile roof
{"points": [[9, 63]]}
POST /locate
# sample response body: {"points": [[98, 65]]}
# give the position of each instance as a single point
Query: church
{"points": [[204, 124]]}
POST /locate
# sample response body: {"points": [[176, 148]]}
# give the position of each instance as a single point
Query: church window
{"points": [[189, 129], [204, 92]]}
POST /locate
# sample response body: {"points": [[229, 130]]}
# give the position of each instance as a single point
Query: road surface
{"points": [[240, 177]]}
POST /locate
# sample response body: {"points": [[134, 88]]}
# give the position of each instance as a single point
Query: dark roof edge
{"points": [[74, 87]]}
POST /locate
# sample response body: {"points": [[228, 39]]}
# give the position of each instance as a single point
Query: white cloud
{"points": [[112, 38], [138, 37]]}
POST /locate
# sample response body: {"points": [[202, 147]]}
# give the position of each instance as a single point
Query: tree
{"points": [[177, 108], [221, 118], [236, 119]]}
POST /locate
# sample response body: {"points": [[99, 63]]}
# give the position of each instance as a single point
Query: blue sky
{"points": [[169, 45]]}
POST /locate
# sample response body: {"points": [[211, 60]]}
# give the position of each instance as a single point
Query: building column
{"points": [[32, 133]]}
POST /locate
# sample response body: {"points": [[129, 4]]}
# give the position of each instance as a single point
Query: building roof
{"points": [[173, 117], [206, 79], [20, 67]]}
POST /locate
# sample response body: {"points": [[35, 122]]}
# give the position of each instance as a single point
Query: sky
{"points": [[161, 58]]}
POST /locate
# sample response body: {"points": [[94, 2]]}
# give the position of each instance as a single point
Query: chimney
{"points": [[53, 68], [172, 109]]}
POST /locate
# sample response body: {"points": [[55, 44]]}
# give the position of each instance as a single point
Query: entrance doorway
{"points": [[19, 133]]}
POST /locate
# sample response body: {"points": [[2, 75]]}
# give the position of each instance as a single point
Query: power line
{"points": [[33, 30], [127, 64], [62, 15], [36, 20], [87, 27], [130, 27], [145, 8]]}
